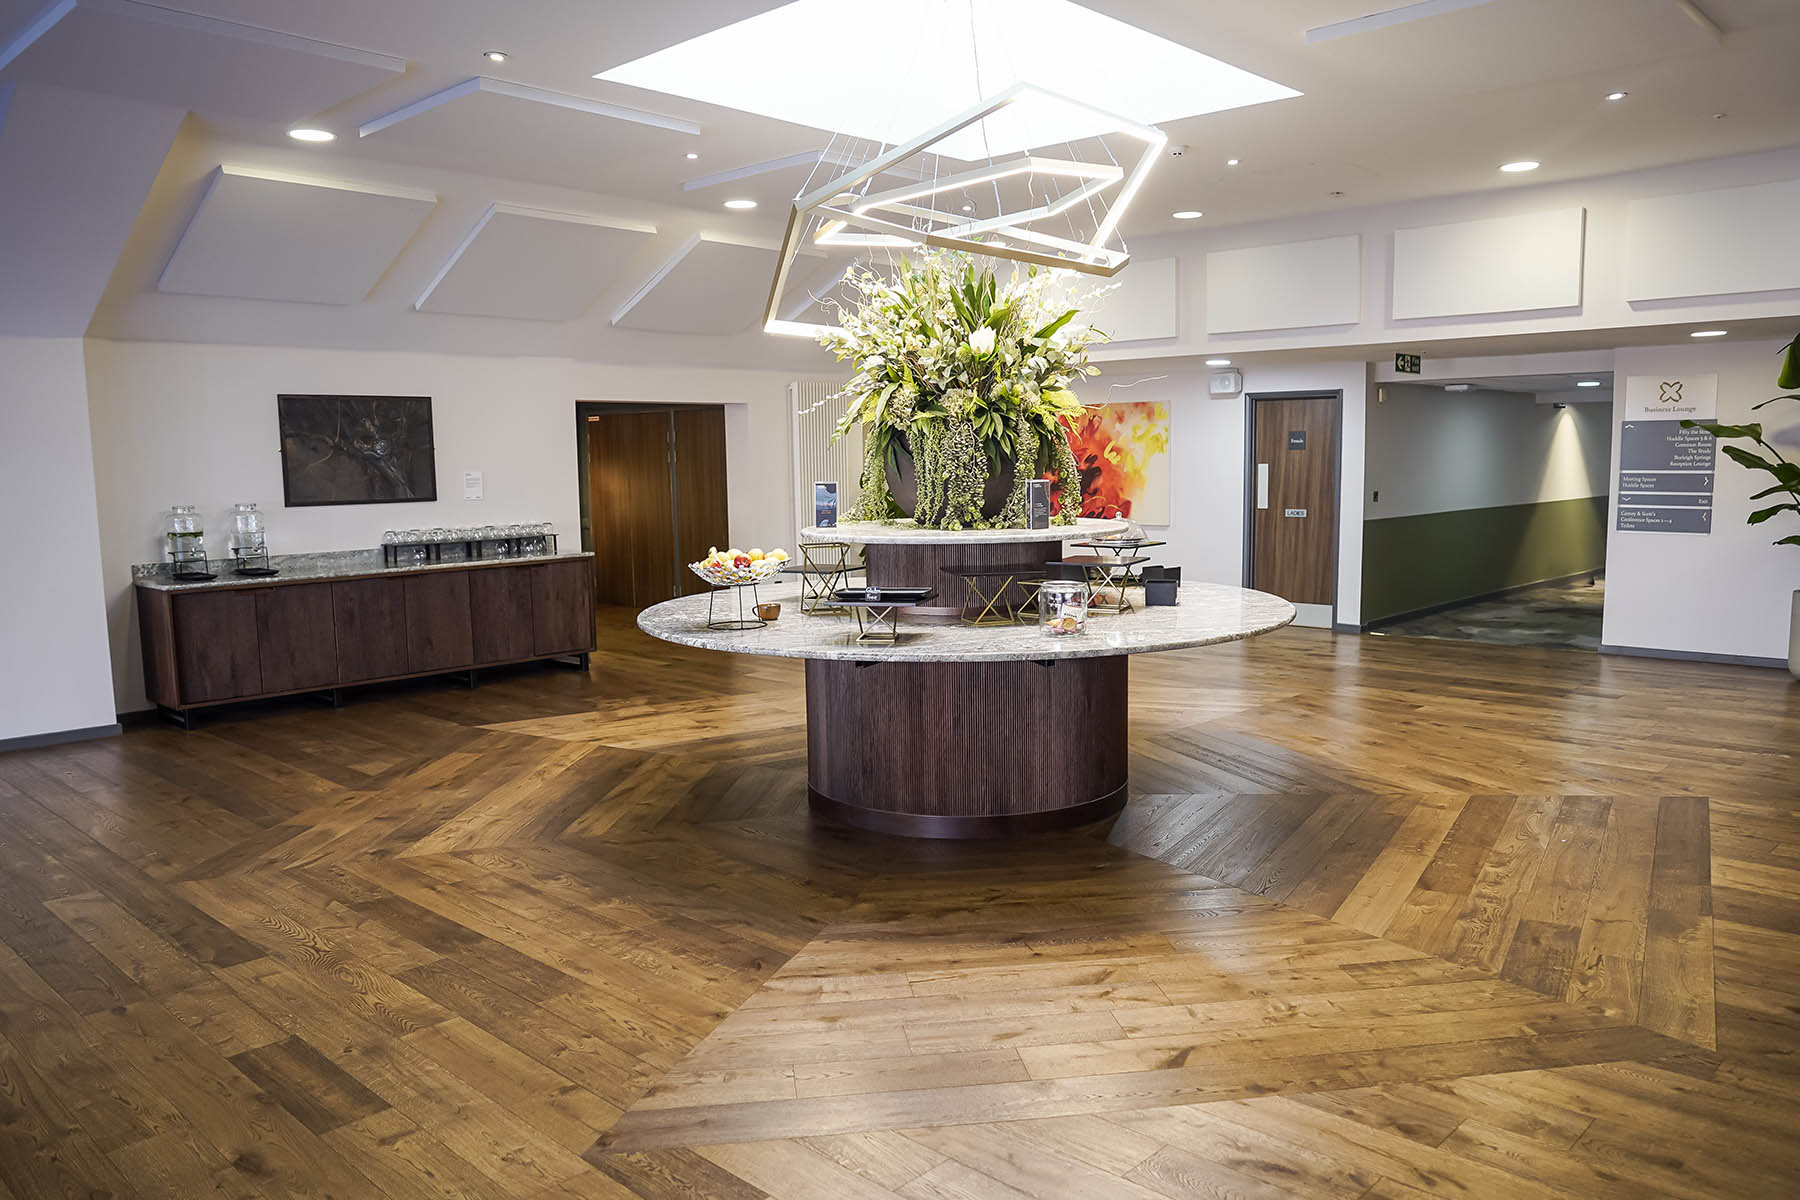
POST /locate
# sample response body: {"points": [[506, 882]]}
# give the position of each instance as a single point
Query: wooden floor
{"points": [[1385, 918]]}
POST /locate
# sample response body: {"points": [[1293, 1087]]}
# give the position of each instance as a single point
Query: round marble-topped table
{"points": [[959, 731], [900, 554]]}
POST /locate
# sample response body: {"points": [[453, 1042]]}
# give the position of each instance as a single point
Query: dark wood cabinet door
{"points": [[295, 639], [215, 646], [631, 507], [500, 610], [562, 608], [439, 636], [1294, 523], [701, 518], [369, 616]]}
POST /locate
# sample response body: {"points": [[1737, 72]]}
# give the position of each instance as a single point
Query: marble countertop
{"points": [[876, 533], [1207, 614], [299, 568]]}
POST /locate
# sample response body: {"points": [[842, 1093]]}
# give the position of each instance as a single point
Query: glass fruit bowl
{"points": [[731, 568]]}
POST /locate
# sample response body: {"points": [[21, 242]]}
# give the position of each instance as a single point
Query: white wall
{"points": [[1726, 592], [1602, 267], [1206, 503], [53, 657], [1435, 451], [195, 424]]}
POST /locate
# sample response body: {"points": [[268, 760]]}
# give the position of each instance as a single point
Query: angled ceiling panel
{"points": [[533, 135], [146, 52], [709, 287], [263, 235], [532, 265]]}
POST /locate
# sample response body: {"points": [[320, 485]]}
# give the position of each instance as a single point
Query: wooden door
{"points": [[295, 639], [631, 508], [369, 617], [215, 645], [562, 609], [701, 521], [439, 636], [1294, 495], [500, 611]]}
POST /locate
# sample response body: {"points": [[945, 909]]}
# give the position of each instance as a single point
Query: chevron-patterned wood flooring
{"points": [[1384, 919]]}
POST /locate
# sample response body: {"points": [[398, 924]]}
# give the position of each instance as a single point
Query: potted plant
{"points": [[963, 390], [1786, 486]]}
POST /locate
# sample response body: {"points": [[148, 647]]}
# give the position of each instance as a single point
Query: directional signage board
{"points": [[1665, 471]]}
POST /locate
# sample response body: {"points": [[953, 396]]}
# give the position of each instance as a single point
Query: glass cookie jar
{"points": [[1062, 608]]}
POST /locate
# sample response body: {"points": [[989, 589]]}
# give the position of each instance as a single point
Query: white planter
{"points": [[1794, 638]]}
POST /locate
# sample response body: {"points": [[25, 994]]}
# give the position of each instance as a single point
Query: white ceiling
{"points": [[1411, 111]]}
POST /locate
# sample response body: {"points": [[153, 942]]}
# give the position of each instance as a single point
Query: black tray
{"points": [[257, 572], [886, 595]]}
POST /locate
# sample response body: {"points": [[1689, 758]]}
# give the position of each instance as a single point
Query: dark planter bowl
{"points": [[903, 481]]}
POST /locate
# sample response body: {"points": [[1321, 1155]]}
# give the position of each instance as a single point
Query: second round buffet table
{"points": [[956, 731]]}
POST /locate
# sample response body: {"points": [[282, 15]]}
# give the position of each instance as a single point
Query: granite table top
{"points": [[335, 564], [879, 533], [1208, 613]]}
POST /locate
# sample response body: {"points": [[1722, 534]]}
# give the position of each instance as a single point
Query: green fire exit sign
{"points": [[1406, 364]]}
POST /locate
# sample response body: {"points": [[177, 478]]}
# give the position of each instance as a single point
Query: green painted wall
{"points": [[1410, 563]]}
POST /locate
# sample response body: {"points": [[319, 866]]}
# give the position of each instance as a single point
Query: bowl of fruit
{"points": [[733, 567]]}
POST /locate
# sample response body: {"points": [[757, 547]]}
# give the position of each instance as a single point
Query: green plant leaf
{"points": [[1786, 472], [1763, 514], [1055, 325], [1792, 539], [1773, 399], [1770, 491]]}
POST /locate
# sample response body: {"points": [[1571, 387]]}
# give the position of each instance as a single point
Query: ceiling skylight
{"points": [[888, 70]]}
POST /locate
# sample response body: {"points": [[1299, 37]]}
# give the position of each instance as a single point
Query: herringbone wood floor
{"points": [[1386, 919]]}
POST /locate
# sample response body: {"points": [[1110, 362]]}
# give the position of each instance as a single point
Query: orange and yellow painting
{"points": [[1123, 453]]}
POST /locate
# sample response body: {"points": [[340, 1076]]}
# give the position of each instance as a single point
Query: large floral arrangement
{"points": [[970, 376]]}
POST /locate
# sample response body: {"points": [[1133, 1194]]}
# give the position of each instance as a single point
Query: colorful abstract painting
{"points": [[1123, 453]]}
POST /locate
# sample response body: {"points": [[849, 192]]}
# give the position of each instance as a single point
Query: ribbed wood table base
{"points": [[967, 750]]}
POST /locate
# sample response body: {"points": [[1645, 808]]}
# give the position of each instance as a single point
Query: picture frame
{"points": [[356, 449]]}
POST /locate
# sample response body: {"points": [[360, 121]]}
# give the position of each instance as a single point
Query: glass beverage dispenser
{"points": [[249, 550], [184, 535]]}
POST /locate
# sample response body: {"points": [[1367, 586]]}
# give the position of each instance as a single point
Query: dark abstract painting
{"points": [[356, 449]]}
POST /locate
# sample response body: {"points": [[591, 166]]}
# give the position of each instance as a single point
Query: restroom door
{"points": [[1293, 496]]}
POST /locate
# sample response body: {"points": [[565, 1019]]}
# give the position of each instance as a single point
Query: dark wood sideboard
{"points": [[216, 645]]}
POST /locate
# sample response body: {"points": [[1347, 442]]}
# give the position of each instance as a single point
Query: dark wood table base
{"points": [[967, 749]]}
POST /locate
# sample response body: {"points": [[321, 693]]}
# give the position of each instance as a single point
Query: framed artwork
{"points": [[1122, 451], [356, 450]]}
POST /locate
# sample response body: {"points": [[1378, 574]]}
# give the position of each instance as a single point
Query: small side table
{"points": [[878, 619], [1117, 548], [824, 568], [988, 586], [1108, 576]]}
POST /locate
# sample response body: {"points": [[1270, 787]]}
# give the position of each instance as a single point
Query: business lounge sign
{"points": [[1678, 398], [1666, 472]]}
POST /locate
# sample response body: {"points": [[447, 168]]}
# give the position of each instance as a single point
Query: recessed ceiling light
{"points": [[1524, 164], [312, 135], [1456, 387], [1218, 362], [1617, 95], [1166, 80], [497, 56], [740, 204], [1231, 162], [1588, 383], [1709, 333], [1188, 214], [968, 208], [692, 156]]}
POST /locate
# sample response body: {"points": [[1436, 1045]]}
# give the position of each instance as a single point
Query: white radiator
{"points": [[814, 416]]}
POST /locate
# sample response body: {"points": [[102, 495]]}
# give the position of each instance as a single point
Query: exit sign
{"points": [[1406, 364]]}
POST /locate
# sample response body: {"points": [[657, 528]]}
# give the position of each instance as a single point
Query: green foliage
{"points": [[1766, 457], [948, 355]]}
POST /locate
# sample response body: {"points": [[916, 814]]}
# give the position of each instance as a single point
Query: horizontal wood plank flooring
{"points": [[1384, 919]]}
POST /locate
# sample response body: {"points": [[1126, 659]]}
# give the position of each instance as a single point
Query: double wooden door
{"points": [[1293, 522], [656, 500]]}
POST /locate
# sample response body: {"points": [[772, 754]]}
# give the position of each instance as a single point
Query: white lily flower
{"points": [[982, 341]]}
